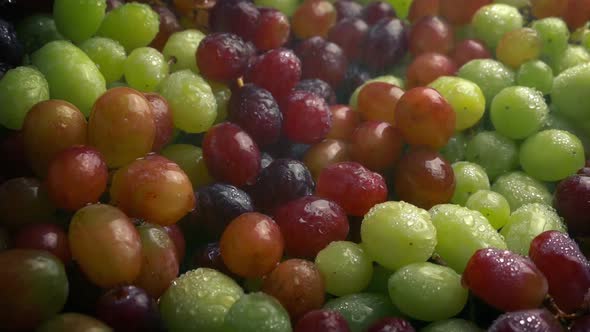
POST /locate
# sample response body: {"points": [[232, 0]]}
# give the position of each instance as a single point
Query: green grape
{"points": [[469, 178], [586, 40], [190, 159], [515, 3], [466, 98], [145, 69], [36, 31], [363, 309], [427, 291], [191, 100], [452, 325], [132, 24], [490, 75], [78, 20], [491, 22], [257, 312], [222, 94], [116, 84], [386, 79], [455, 149], [492, 205], [72, 76], [492, 151], [518, 112], [71, 321], [455, 224], [395, 234], [288, 7], [199, 301], [554, 34], [401, 7], [572, 56], [20, 89], [519, 46], [581, 129], [526, 223], [379, 280], [182, 46], [108, 55], [570, 90], [535, 74], [345, 266], [519, 189], [552, 155]]}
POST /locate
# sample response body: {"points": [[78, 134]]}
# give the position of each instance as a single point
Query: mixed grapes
{"points": [[295, 165]]}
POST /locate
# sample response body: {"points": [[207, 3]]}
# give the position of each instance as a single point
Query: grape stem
{"points": [[562, 316]]}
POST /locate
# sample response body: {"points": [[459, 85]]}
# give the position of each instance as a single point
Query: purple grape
{"points": [[235, 16], [322, 321], [355, 77], [386, 44], [318, 87], [391, 324], [377, 10], [209, 256], [280, 182], [255, 110], [322, 59], [347, 9], [534, 320], [128, 308]]}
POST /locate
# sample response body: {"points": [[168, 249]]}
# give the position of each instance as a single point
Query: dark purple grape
{"points": [[581, 324], [322, 321], [347, 9], [223, 56], [11, 49], [322, 59], [349, 34], [209, 256], [377, 10], [218, 204], [386, 44], [533, 320], [355, 77], [128, 308], [318, 87], [239, 17], [280, 182], [391, 324], [255, 110]]}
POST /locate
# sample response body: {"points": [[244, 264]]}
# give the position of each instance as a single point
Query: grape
{"points": [[427, 292], [377, 145], [44, 236], [132, 24], [535, 74], [105, 244], [528, 221], [455, 224], [545, 8], [40, 138], [222, 57], [389, 79], [24, 272], [391, 324], [108, 55], [162, 119], [385, 44], [71, 74], [571, 202], [322, 59], [491, 22], [181, 48], [465, 97], [200, 299], [73, 321], [238, 17], [128, 308], [191, 99], [492, 205], [458, 12], [190, 159], [272, 29], [20, 89], [452, 324], [427, 67], [257, 312], [519, 188], [322, 321], [505, 280], [580, 324], [490, 75], [275, 62], [568, 88], [345, 266], [518, 112], [492, 151], [344, 122], [431, 34], [298, 285], [552, 155], [467, 50], [37, 30], [288, 7], [22, 201], [306, 117], [349, 34], [455, 149], [177, 237], [576, 14], [403, 225], [377, 10], [558, 256], [361, 310], [422, 8], [78, 20], [518, 46], [526, 321], [554, 34], [469, 178], [313, 18], [145, 69], [222, 95], [325, 153], [572, 56], [377, 101], [319, 87], [121, 126]]}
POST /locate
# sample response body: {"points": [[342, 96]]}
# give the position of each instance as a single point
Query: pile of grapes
{"points": [[286, 165]]}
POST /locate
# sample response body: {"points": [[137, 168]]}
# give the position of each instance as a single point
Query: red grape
{"points": [[319, 87], [322, 321], [422, 8], [322, 59], [431, 34], [467, 50], [43, 236], [533, 320], [344, 121], [222, 57], [24, 200], [572, 202], [577, 13], [269, 66], [313, 18], [325, 153], [306, 117], [377, 145], [427, 67], [378, 100], [548, 8], [168, 25], [272, 30], [237, 17], [459, 12], [391, 324], [377, 10], [347, 9], [176, 235], [349, 34], [128, 308], [163, 119]]}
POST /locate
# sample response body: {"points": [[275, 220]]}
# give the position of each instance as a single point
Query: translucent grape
{"points": [[527, 222], [459, 12], [390, 79], [469, 178], [554, 33], [133, 25], [288, 7], [20, 89], [568, 88], [427, 292], [108, 55], [322, 321], [455, 149], [497, 154], [465, 97], [572, 56], [181, 49], [519, 189], [313, 18], [361, 310], [145, 69], [71, 321], [527, 320], [78, 20], [71, 74], [257, 312], [518, 46], [491, 22], [455, 224], [535, 74], [405, 227], [452, 324], [492, 205], [518, 112], [190, 159], [345, 266], [191, 100], [325, 153]]}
